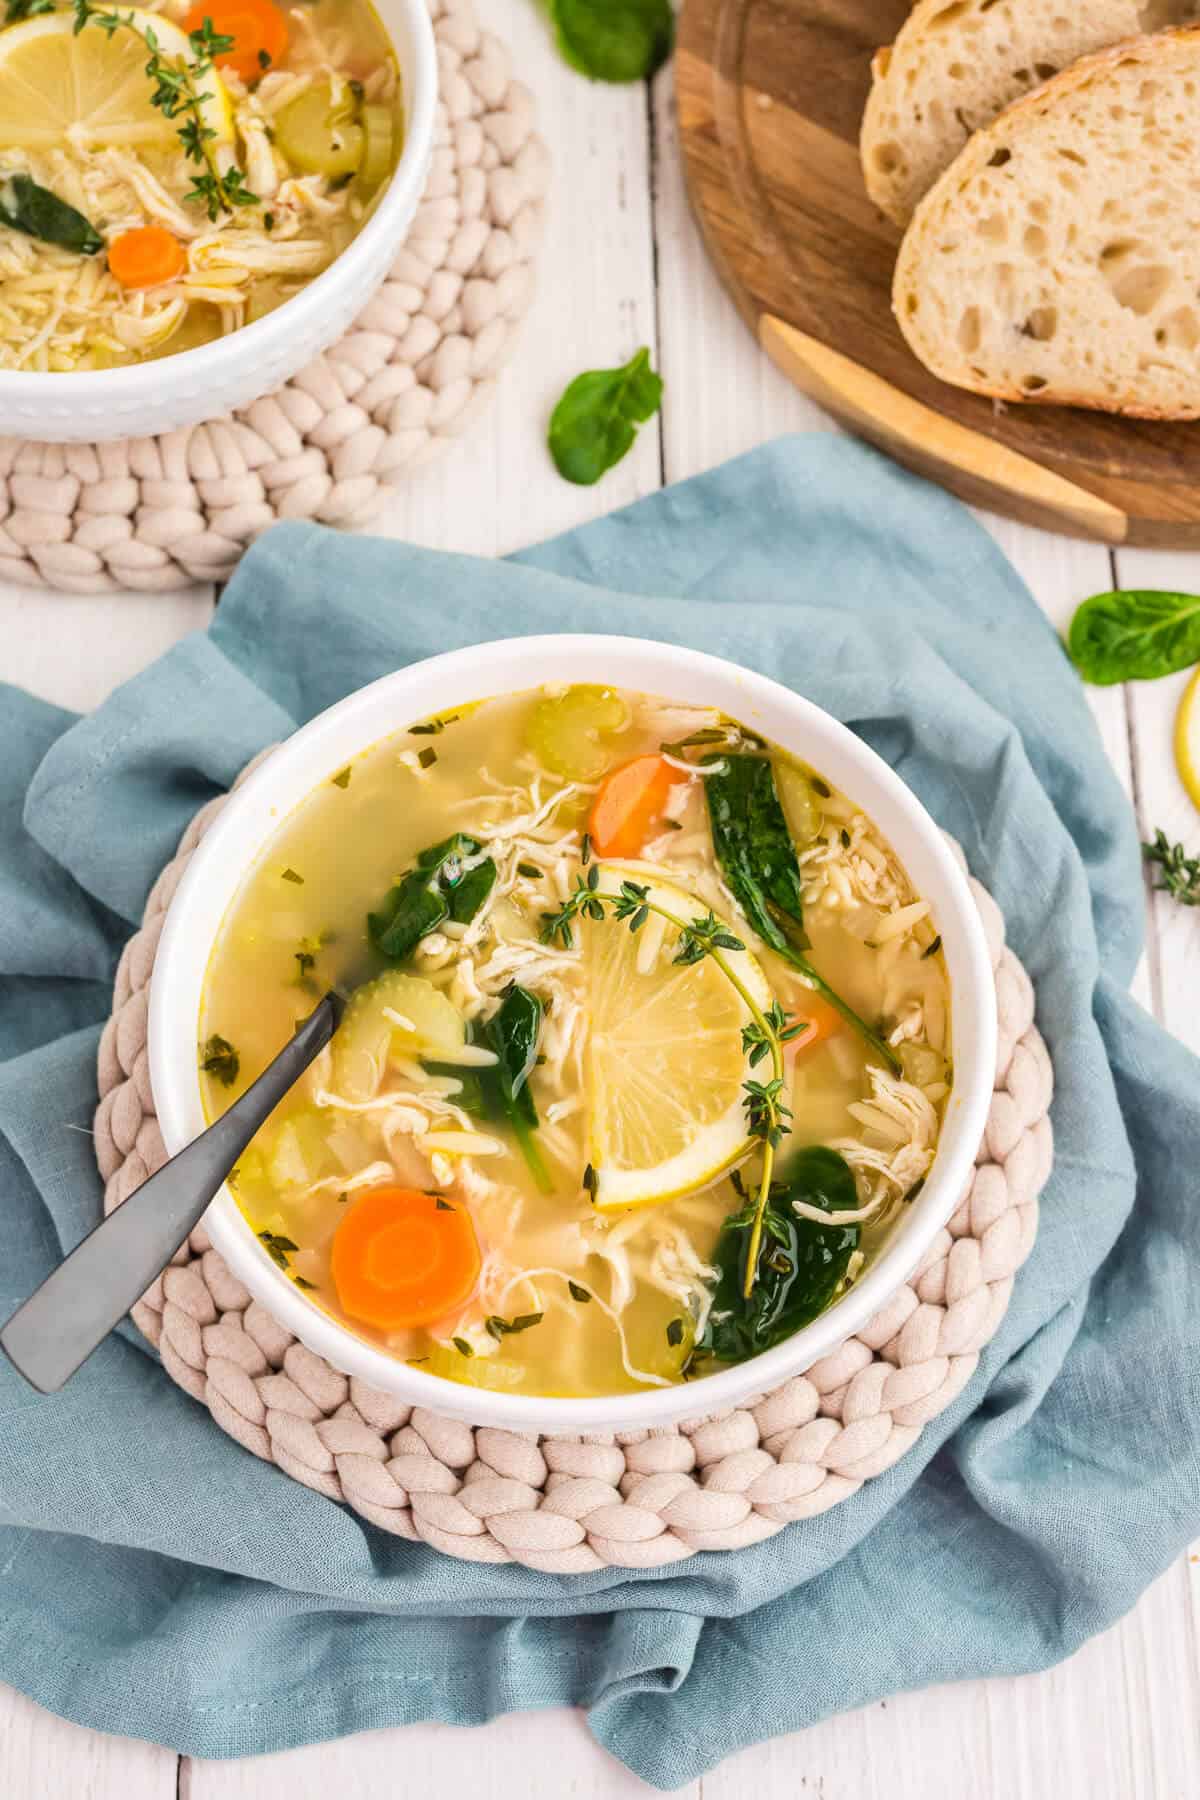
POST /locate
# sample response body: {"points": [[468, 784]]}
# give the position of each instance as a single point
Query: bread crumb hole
{"points": [[1042, 323], [910, 305], [994, 228], [1033, 384], [888, 158], [1116, 253], [956, 71], [1044, 71], [1074, 156], [1180, 330], [1147, 93], [999, 157], [1140, 288], [1035, 240], [969, 330], [947, 16], [1038, 209]]}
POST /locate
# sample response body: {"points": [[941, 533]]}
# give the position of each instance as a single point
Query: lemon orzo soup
{"points": [[174, 171], [647, 1042]]}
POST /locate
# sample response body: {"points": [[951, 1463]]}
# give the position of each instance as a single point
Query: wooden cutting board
{"points": [[770, 96]]}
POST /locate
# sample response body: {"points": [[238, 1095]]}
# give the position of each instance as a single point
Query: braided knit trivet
{"points": [[415, 369], [637, 1499]]}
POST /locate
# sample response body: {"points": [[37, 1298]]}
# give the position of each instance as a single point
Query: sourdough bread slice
{"points": [[1058, 258], [956, 63]]}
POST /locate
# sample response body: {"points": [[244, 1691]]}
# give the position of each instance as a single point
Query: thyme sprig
{"points": [[175, 93], [768, 1119], [1180, 872]]}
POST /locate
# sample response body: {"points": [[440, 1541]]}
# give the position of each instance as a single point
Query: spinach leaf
{"points": [[513, 1034], [1134, 634], [219, 1059], [801, 1264], [754, 847], [438, 888], [758, 859], [594, 424], [614, 40], [28, 207]]}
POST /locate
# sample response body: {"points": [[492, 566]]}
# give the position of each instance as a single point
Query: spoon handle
{"points": [[78, 1304]]}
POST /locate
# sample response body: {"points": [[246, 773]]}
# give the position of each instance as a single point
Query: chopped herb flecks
{"points": [[342, 778], [278, 1248], [291, 875], [219, 1059]]}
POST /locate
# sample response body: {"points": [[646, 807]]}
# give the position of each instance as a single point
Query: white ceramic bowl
{"points": [[249, 820], [216, 378]]}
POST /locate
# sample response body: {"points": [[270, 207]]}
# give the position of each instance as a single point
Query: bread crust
{"points": [[1148, 52]]}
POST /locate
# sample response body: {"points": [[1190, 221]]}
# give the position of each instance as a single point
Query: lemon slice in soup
{"points": [[665, 1059], [90, 90]]}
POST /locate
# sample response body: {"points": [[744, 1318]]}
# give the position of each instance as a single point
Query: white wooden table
{"points": [[623, 266]]}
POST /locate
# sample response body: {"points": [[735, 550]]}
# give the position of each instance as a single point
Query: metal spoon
{"points": [[77, 1306]]}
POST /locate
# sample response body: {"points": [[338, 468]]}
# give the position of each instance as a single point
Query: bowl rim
{"points": [[270, 795], [150, 382]]}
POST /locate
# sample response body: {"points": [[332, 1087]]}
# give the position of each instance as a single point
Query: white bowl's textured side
{"points": [[201, 384], [236, 838]]}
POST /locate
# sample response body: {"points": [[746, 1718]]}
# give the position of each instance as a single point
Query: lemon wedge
{"points": [[665, 1056], [61, 90], [1187, 739]]}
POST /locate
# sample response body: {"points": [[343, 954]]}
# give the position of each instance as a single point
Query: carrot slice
{"points": [[401, 1257], [819, 1022], [630, 803], [258, 29], [146, 257]]}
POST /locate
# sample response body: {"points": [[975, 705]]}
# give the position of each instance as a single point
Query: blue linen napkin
{"points": [[156, 1580]]}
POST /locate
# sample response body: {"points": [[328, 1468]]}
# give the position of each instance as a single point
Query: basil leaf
{"points": [[438, 888], [754, 847], [28, 207], [1135, 634], [594, 424], [801, 1264], [614, 40]]}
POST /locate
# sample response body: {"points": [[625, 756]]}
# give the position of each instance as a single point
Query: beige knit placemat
{"points": [[635, 1499], [416, 368]]}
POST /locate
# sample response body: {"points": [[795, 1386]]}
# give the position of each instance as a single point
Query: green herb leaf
{"points": [[614, 40], [462, 1346], [219, 1059], [279, 1249], [578, 1293], [594, 424], [530, 871], [754, 847], [27, 206], [501, 1328], [1180, 872], [1135, 634], [438, 888], [16, 10], [675, 1332], [291, 875], [342, 778], [513, 1034], [800, 1266]]}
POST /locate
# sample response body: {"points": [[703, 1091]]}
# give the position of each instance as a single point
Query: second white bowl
{"points": [[217, 378]]}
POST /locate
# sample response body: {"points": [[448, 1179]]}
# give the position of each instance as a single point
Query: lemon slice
{"points": [[1187, 739], [665, 1058], [59, 90]]}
